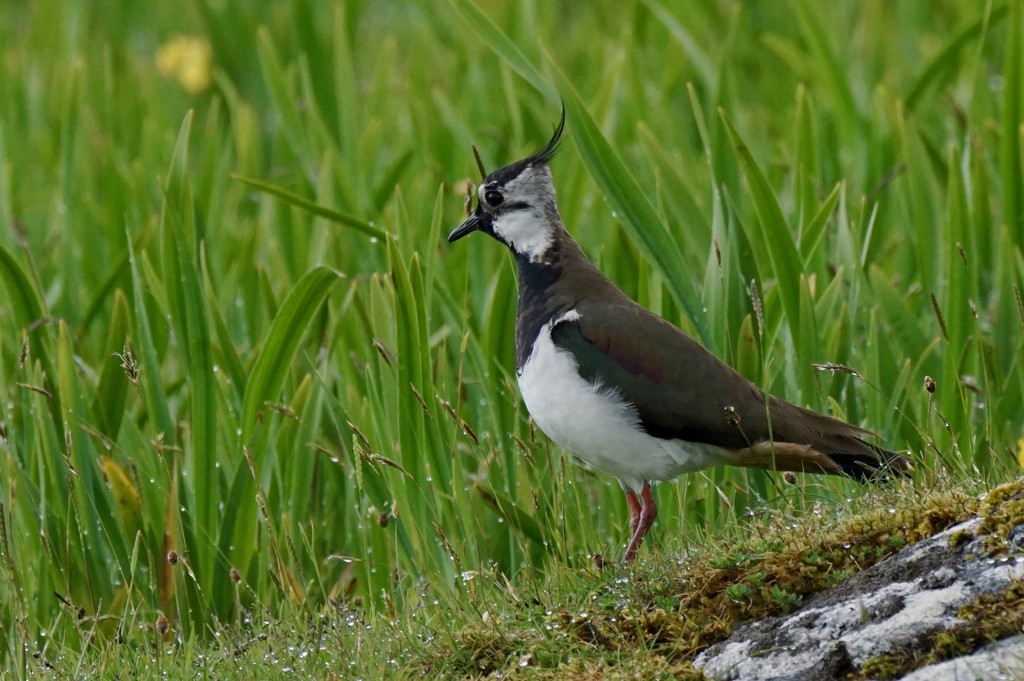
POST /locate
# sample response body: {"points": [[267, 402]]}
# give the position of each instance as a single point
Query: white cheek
{"points": [[525, 233]]}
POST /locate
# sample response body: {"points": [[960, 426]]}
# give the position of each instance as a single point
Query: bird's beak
{"points": [[470, 224]]}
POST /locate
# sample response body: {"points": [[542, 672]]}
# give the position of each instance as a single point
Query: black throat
{"points": [[535, 303], [548, 289]]}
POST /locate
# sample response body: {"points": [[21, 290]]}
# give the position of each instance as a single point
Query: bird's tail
{"points": [[880, 465], [851, 457]]}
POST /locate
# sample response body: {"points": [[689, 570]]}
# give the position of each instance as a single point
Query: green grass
{"points": [[231, 332]]}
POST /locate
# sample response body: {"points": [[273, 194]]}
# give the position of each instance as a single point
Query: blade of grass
{"points": [[149, 365], [814, 230], [28, 314], [685, 39], [224, 350], [949, 56], [503, 46], [835, 78], [111, 393], [1011, 169], [311, 207], [185, 300], [105, 541], [774, 246], [282, 341]]}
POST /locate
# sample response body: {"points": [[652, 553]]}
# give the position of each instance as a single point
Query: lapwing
{"points": [[626, 391]]}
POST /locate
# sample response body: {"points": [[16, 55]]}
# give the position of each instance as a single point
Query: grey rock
{"points": [[999, 661], [887, 608]]}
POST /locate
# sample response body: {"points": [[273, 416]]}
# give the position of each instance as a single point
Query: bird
{"points": [[626, 391]]}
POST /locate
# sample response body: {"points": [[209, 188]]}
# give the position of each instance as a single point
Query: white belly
{"points": [[598, 426]]}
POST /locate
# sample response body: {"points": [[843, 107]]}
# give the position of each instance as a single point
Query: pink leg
{"points": [[634, 511], [648, 512]]}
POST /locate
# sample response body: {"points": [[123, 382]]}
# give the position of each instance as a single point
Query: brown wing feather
{"points": [[681, 389]]}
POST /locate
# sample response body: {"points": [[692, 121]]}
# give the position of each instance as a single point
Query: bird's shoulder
{"points": [[633, 338]]}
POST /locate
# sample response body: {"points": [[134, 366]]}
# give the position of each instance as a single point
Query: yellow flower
{"points": [[189, 59]]}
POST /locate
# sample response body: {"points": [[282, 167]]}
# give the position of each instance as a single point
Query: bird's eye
{"points": [[493, 197]]}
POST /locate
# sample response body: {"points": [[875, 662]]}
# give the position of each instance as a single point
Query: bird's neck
{"points": [[548, 287], [536, 279]]}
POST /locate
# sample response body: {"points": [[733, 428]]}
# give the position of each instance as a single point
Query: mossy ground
{"points": [[667, 610]]}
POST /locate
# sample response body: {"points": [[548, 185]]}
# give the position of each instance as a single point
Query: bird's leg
{"points": [[648, 512], [634, 511]]}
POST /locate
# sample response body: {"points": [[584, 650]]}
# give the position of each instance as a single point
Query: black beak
{"points": [[469, 225]]}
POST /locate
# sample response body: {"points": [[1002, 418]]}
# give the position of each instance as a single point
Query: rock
{"points": [[996, 661], [875, 623]]}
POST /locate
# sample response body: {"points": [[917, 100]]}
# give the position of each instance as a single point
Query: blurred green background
{"points": [[241, 371]]}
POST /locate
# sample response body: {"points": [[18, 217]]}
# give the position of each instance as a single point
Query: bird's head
{"points": [[516, 204]]}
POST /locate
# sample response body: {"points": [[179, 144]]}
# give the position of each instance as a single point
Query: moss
{"points": [[652, 667], [882, 667], [959, 538], [482, 650], [1001, 512], [997, 615]]}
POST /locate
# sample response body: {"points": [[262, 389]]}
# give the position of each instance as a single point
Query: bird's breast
{"points": [[594, 422], [578, 415]]}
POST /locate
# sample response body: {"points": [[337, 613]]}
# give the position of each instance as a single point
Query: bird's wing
{"points": [[678, 387]]}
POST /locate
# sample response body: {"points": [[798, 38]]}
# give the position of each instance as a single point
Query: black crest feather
{"points": [[547, 153], [542, 157]]}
